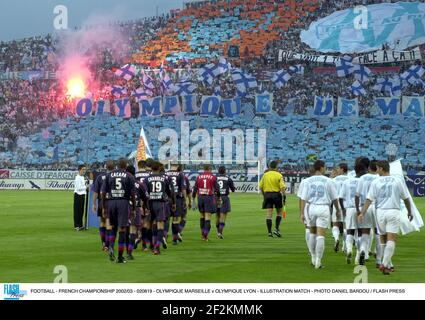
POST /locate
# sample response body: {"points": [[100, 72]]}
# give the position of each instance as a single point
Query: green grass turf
{"points": [[36, 234]]}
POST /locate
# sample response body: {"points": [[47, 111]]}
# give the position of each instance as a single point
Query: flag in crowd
{"points": [[208, 73], [281, 78], [142, 94], [344, 67], [362, 73], [357, 89], [126, 72], [413, 74], [383, 85], [224, 66], [118, 91], [243, 81], [297, 69], [185, 88]]}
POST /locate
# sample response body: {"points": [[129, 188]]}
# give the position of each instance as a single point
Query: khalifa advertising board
{"points": [[36, 180], [366, 28]]}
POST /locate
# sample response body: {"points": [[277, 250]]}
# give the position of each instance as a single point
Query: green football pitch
{"points": [[36, 234]]}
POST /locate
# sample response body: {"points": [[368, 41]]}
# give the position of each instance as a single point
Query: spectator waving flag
{"points": [[127, 72], [148, 82], [208, 73], [142, 94], [396, 86], [383, 85], [297, 69], [281, 78], [224, 66], [118, 91], [362, 73], [243, 81], [217, 91], [185, 88], [167, 83], [413, 74], [357, 89], [344, 67]]}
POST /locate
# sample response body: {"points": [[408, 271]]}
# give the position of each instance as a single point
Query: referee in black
{"points": [[272, 187], [80, 192]]}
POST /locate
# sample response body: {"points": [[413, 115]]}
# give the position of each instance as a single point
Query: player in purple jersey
{"points": [[118, 190], [97, 206], [178, 184], [225, 184], [189, 203], [159, 191], [146, 231]]}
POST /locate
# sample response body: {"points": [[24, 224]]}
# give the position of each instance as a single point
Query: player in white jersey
{"points": [[306, 222], [337, 224], [347, 196], [319, 192], [387, 192], [369, 224]]}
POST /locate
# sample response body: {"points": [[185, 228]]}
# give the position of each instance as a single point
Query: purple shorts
{"points": [[119, 212], [225, 205], [207, 204], [180, 208], [137, 220], [158, 210]]}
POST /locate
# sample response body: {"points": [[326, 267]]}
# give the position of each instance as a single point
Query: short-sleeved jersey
{"points": [[118, 185], [387, 192], [272, 181], [319, 190], [188, 187], [339, 180], [97, 186], [348, 192], [158, 187], [206, 185], [300, 188], [225, 185], [364, 185], [177, 182]]}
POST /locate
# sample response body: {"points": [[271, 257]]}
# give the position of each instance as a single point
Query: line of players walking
{"points": [[140, 206], [360, 205]]}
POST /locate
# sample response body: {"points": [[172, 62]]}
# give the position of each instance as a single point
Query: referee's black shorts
{"points": [[273, 200]]}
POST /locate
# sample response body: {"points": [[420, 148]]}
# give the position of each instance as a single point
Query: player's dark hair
{"points": [[207, 167], [155, 166], [141, 164], [344, 167], [149, 162], [359, 169], [222, 170], [131, 169], [81, 166], [318, 165], [110, 165], [122, 163], [273, 165], [384, 164], [179, 168], [365, 162], [372, 166]]}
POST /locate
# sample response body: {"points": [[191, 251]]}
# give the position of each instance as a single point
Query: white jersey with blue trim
{"points": [[319, 190], [348, 192], [364, 185], [387, 192]]}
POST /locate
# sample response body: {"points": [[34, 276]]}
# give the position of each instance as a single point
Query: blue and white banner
{"points": [[399, 25], [347, 107], [323, 106], [413, 107]]}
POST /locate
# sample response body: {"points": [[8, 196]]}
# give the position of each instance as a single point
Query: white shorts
{"points": [[334, 217], [368, 221], [351, 219], [306, 217], [319, 216], [388, 221]]}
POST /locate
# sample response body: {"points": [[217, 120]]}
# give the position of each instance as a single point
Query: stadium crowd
{"points": [[34, 105]]}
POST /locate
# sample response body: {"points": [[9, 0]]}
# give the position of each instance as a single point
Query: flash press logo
{"points": [[13, 292]]}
